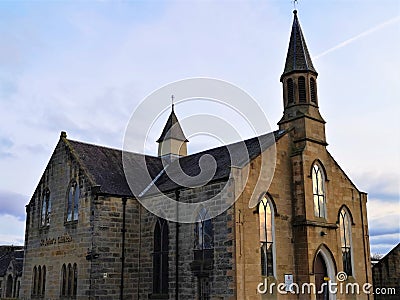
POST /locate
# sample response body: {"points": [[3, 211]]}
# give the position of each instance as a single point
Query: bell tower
{"points": [[172, 143], [300, 98]]}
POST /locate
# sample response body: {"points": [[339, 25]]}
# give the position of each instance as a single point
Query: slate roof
{"points": [[172, 129], [10, 253], [105, 167], [298, 58]]}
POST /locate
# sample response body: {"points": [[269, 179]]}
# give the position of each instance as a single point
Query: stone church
{"points": [[88, 237]]}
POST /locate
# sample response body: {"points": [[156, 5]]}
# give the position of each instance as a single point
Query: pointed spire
{"points": [[298, 58], [172, 129], [172, 142]]}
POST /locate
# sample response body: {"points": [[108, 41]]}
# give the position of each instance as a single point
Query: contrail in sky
{"points": [[365, 33]]}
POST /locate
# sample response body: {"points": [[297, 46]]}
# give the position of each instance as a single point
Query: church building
{"points": [[88, 237]]}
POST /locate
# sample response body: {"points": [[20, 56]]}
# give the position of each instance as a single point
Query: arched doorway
{"points": [[9, 286], [324, 266], [320, 273]]}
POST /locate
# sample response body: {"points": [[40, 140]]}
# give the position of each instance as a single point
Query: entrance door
{"points": [[320, 272]]}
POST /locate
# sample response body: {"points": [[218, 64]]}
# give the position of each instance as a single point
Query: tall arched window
{"points": [[43, 281], [203, 231], [313, 91], [345, 237], [290, 90], [39, 283], [63, 280], [46, 208], [9, 286], [69, 280], [302, 89], [318, 183], [266, 219], [160, 257], [75, 281], [34, 281], [73, 202]]}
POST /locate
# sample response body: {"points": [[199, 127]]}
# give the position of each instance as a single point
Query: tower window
{"points": [[266, 219], [318, 181], [345, 236], [160, 257], [302, 89], [290, 90], [313, 91]]}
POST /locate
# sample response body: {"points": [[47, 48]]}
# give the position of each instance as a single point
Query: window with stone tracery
{"points": [[318, 185], [73, 202], [266, 220], [345, 238]]}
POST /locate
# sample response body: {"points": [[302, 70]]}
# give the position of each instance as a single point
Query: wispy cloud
{"points": [[384, 224], [358, 36], [12, 232], [5, 147], [13, 204]]}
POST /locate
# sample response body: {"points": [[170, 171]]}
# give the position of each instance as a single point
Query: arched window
{"points": [[73, 202], [203, 231], [69, 280], [290, 90], [318, 183], [34, 281], [43, 281], [63, 280], [46, 208], [39, 282], [160, 257], [302, 89], [313, 90], [75, 281], [9, 286], [266, 219], [345, 237]]}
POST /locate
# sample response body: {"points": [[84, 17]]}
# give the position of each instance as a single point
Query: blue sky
{"points": [[83, 67]]}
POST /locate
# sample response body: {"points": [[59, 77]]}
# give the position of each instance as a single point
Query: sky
{"points": [[84, 66]]}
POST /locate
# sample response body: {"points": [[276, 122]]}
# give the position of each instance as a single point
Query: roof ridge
{"points": [[109, 148], [189, 155]]}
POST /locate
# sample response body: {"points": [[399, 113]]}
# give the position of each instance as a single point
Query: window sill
{"points": [[158, 296], [70, 223]]}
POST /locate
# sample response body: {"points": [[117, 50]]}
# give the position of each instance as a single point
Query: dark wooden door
{"points": [[320, 272]]}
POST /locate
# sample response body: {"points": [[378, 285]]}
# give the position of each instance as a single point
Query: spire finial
{"points": [[294, 6], [172, 102]]}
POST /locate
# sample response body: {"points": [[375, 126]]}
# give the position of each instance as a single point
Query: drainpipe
{"points": [[123, 230], [139, 249], [363, 233], [177, 194]]}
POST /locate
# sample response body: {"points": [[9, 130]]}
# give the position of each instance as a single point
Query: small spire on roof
{"points": [[172, 102]]}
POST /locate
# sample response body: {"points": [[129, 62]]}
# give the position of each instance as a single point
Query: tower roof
{"points": [[172, 129], [298, 58]]}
